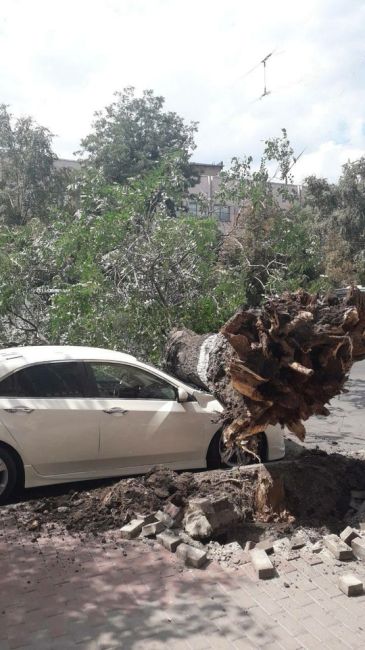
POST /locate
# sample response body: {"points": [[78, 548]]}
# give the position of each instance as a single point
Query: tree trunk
{"points": [[280, 363]]}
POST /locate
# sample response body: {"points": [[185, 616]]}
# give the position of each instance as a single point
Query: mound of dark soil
{"points": [[314, 490]]}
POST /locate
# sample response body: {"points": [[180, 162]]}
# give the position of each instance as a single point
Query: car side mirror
{"points": [[182, 395]]}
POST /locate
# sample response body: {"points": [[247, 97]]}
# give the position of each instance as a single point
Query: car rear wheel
{"points": [[219, 455], [8, 474]]}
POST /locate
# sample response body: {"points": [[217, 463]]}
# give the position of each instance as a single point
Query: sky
{"points": [[60, 62]]}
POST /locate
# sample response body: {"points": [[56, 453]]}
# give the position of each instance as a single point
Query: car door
{"points": [[142, 423], [44, 408]]}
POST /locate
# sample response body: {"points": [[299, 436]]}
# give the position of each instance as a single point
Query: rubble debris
{"points": [[338, 548], [348, 534], [280, 363], [151, 530], [169, 540], [358, 548], [266, 545], [350, 585], [175, 512], [297, 542], [131, 530], [165, 518], [210, 515], [191, 556], [317, 492], [262, 564]]}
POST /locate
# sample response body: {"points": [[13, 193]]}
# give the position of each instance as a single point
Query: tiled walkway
{"points": [[63, 592]]}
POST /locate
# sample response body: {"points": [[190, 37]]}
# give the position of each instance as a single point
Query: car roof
{"points": [[14, 358]]}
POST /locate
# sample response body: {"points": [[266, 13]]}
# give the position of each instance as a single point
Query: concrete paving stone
{"points": [[327, 585], [337, 547], [350, 585], [358, 548], [309, 641], [292, 625], [243, 644], [270, 606], [286, 640], [348, 534], [298, 598], [263, 566]]}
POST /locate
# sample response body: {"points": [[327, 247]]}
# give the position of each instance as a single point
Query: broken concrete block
{"points": [[266, 545], [169, 540], [146, 519], [203, 517], [350, 585], [362, 525], [358, 494], [348, 534], [358, 548], [317, 547], [175, 512], [191, 556], [165, 518], [262, 564], [337, 547], [297, 542], [152, 529], [197, 525], [131, 530], [249, 546]]}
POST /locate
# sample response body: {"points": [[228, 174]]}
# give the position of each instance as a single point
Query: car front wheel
{"points": [[8, 474], [220, 455]]}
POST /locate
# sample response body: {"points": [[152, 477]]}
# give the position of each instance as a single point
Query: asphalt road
{"points": [[344, 429]]}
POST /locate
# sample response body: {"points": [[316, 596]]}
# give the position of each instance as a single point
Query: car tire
{"points": [[216, 460], [9, 475]]}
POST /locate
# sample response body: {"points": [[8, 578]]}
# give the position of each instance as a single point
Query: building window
{"points": [[222, 212]]}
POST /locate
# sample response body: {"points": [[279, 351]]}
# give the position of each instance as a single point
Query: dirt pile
{"points": [[312, 490]]}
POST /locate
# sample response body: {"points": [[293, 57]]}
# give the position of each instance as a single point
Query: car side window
{"points": [[45, 380], [128, 382]]}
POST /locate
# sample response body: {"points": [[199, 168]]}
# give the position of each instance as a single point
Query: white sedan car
{"points": [[74, 413]]}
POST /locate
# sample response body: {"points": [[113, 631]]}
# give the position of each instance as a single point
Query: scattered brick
{"points": [[147, 519], [150, 530], [169, 540], [337, 547], [175, 512], [298, 542], [165, 518], [348, 534], [358, 547], [262, 564], [266, 545], [191, 556], [131, 530], [317, 547], [350, 585]]}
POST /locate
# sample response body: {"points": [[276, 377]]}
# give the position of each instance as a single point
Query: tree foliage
{"points": [[271, 241], [133, 134], [29, 184]]}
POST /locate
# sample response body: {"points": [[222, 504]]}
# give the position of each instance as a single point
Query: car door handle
{"points": [[19, 409], [115, 411]]}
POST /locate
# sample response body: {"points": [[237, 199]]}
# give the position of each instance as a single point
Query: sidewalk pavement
{"points": [[64, 592]]}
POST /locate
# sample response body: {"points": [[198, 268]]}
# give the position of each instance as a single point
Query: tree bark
{"points": [[280, 363]]}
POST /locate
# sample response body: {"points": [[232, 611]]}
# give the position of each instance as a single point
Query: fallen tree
{"points": [[280, 363]]}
